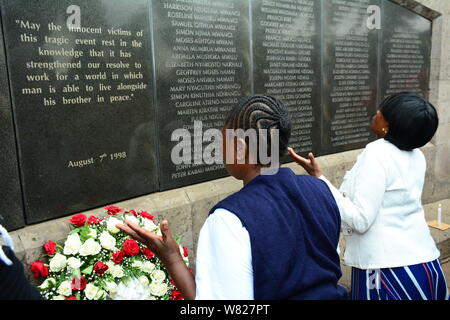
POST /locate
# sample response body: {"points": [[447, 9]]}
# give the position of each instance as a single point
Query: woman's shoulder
{"points": [[378, 145]]}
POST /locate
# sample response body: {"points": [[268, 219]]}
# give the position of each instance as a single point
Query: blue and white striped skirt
{"points": [[424, 281]]}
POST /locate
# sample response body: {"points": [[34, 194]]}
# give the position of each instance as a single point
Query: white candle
{"points": [[440, 214]]}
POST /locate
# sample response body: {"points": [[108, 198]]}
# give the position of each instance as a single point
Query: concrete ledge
{"points": [[187, 208]]}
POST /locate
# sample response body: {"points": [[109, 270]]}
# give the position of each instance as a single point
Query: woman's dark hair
{"points": [[262, 112], [412, 120]]}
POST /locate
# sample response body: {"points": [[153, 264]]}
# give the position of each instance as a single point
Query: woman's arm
{"points": [[360, 209], [167, 249]]}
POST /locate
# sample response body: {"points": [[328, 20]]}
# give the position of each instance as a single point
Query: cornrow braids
{"points": [[262, 113]]}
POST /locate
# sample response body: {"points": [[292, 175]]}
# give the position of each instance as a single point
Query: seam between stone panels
{"points": [[156, 130]]}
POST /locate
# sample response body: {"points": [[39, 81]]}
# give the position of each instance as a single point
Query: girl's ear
{"points": [[241, 148]]}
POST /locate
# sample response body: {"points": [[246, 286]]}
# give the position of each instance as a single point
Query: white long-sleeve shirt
{"points": [[224, 259], [381, 209]]}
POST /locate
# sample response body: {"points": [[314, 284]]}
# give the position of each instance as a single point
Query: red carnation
{"points": [[78, 220], [112, 210], [50, 248], [100, 268], [94, 220], [130, 247], [72, 298], [148, 253], [39, 269], [146, 215], [176, 295], [185, 252], [118, 256], [79, 283]]}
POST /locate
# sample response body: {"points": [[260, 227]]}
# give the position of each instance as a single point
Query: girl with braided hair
{"points": [[275, 239]]}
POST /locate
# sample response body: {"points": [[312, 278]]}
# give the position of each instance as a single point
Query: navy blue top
{"points": [[294, 226]]}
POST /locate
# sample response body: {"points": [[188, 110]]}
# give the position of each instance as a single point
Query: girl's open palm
{"points": [[310, 165]]}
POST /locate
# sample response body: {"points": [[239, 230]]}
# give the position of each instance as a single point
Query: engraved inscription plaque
{"points": [[350, 71], [202, 51], [80, 75], [286, 51], [405, 54]]}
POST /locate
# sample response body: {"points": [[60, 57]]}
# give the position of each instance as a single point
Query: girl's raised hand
{"points": [[310, 165], [165, 246]]}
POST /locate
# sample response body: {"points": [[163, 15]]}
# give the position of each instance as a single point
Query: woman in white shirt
{"points": [[388, 242]]}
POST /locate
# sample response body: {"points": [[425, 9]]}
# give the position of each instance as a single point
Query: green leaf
{"points": [[77, 230], [88, 270]]}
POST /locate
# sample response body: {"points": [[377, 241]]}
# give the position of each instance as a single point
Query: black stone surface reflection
{"points": [[11, 209], [350, 72], [287, 64], [203, 68], [405, 54], [86, 137]]}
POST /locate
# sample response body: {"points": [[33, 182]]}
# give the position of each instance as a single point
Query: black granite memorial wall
{"points": [[82, 94], [92, 90], [11, 211]]}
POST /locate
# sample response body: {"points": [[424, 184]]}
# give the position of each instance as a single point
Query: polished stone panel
{"points": [[287, 64], [202, 55], [11, 208], [405, 51], [82, 91], [350, 72]]}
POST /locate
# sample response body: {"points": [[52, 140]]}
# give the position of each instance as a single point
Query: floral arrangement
{"points": [[100, 262]]}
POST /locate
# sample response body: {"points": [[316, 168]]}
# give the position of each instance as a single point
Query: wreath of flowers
{"points": [[100, 262]]}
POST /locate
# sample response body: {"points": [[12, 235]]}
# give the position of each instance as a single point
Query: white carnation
{"points": [[144, 280], [137, 264], [48, 283], [158, 276], [107, 241], [65, 289], [117, 271], [132, 219], [58, 263], [72, 245], [90, 248], [147, 267], [74, 263], [111, 225], [91, 291], [59, 298], [158, 289], [149, 225]]}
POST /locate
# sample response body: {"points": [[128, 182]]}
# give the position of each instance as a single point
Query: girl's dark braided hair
{"points": [[262, 112]]}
